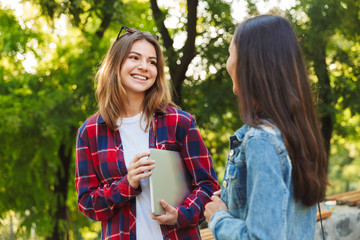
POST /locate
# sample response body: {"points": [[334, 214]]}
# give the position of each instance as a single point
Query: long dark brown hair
{"points": [[273, 84], [110, 92]]}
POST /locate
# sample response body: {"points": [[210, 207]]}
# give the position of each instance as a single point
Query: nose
{"points": [[143, 65]]}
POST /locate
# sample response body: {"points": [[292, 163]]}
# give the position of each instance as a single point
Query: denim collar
{"points": [[240, 133], [269, 132], [238, 137]]}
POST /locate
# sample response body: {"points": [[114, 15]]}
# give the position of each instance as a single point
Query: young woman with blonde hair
{"points": [[112, 165]]}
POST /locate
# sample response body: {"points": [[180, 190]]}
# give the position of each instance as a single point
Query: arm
{"points": [[95, 200], [199, 164], [267, 198]]}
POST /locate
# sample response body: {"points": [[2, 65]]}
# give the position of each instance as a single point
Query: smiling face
{"points": [[139, 71]]}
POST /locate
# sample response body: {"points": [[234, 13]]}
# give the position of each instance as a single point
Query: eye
{"points": [[153, 62], [133, 57]]}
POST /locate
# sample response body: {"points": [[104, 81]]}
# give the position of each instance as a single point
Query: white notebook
{"points": [[170, 180]]}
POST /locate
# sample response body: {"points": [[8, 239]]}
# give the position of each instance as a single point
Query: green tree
{"points": [[329, 34], [326, 32], [42, 108], [205, 89]]}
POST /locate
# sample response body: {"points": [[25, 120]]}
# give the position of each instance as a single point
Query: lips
{"points": [[143, 78]]}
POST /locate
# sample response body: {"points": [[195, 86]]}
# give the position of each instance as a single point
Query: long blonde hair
{"points": [[110, 93]]}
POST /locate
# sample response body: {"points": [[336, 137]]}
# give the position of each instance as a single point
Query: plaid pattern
{"points": [[104, 194]]}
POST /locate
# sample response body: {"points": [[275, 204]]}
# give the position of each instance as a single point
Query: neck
{"points": [[134, 106]]}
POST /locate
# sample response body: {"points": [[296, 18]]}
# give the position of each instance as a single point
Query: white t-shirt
{"points": [[135, 140]]}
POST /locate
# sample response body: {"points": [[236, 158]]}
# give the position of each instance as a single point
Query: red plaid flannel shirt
{"points": [[104, 194]]}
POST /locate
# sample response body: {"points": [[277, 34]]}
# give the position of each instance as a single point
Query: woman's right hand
{"points": [[139, 168], [215, 205], [217, 193]]}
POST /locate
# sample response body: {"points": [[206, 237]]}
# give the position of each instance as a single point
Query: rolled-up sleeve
{"points": [[199, 164], [97, 200]]}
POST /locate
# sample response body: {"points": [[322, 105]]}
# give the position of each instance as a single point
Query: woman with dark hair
{"points": [[112, 164], [276, 169]]}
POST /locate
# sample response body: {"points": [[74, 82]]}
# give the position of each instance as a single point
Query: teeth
{"points": [[139, 77]]}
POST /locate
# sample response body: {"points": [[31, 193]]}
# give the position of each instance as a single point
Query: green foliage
{"points": [[330, 42], [41, 107], [346, 72], [39, 111], [20, 154], [207, 92]]}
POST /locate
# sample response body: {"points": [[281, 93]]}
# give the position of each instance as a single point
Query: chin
{"points": [[235, 91]]}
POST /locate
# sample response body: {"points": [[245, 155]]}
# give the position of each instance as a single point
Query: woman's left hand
{"points": [[170, 216], [213, 206]]}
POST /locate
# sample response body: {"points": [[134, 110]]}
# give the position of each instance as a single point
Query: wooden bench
{"points": [[206, 234], [351, 198], [324, 214]]}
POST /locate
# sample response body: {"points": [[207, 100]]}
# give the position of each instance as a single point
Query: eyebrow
{"points": [[137, 53]]}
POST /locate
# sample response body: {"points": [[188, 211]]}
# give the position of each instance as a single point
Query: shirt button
{"points": [[231, 152], [224, 184]]}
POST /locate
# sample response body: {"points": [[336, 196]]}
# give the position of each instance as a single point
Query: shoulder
{"points": [[264, 135], [90, 124], [265, 149], [178, 115]]}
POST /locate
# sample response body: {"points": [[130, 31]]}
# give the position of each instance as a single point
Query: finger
{"points": [[156, 217], [143, 169], [214, 198], [206, 215], [208, 206], [144, 162], [140, 167], [159, 218], [164, 219], [139, 156], [167, 206], [217, 193], [139, 176]]}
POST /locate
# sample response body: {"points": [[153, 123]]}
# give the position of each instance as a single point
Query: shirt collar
{"points": [[160, 112], [99, 119], [157, 113]]}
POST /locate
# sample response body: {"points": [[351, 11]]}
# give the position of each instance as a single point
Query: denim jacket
{"points": [[258, 191]]}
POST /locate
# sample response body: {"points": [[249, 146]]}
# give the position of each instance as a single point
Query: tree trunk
{"points": [[61, 191], [178, 67], [325, 93]]}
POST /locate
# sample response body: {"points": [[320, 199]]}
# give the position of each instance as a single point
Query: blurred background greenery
{"points": [[50, 50]]}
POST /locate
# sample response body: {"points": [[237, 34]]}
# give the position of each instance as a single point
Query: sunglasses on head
{"points": [[130, 31]]}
